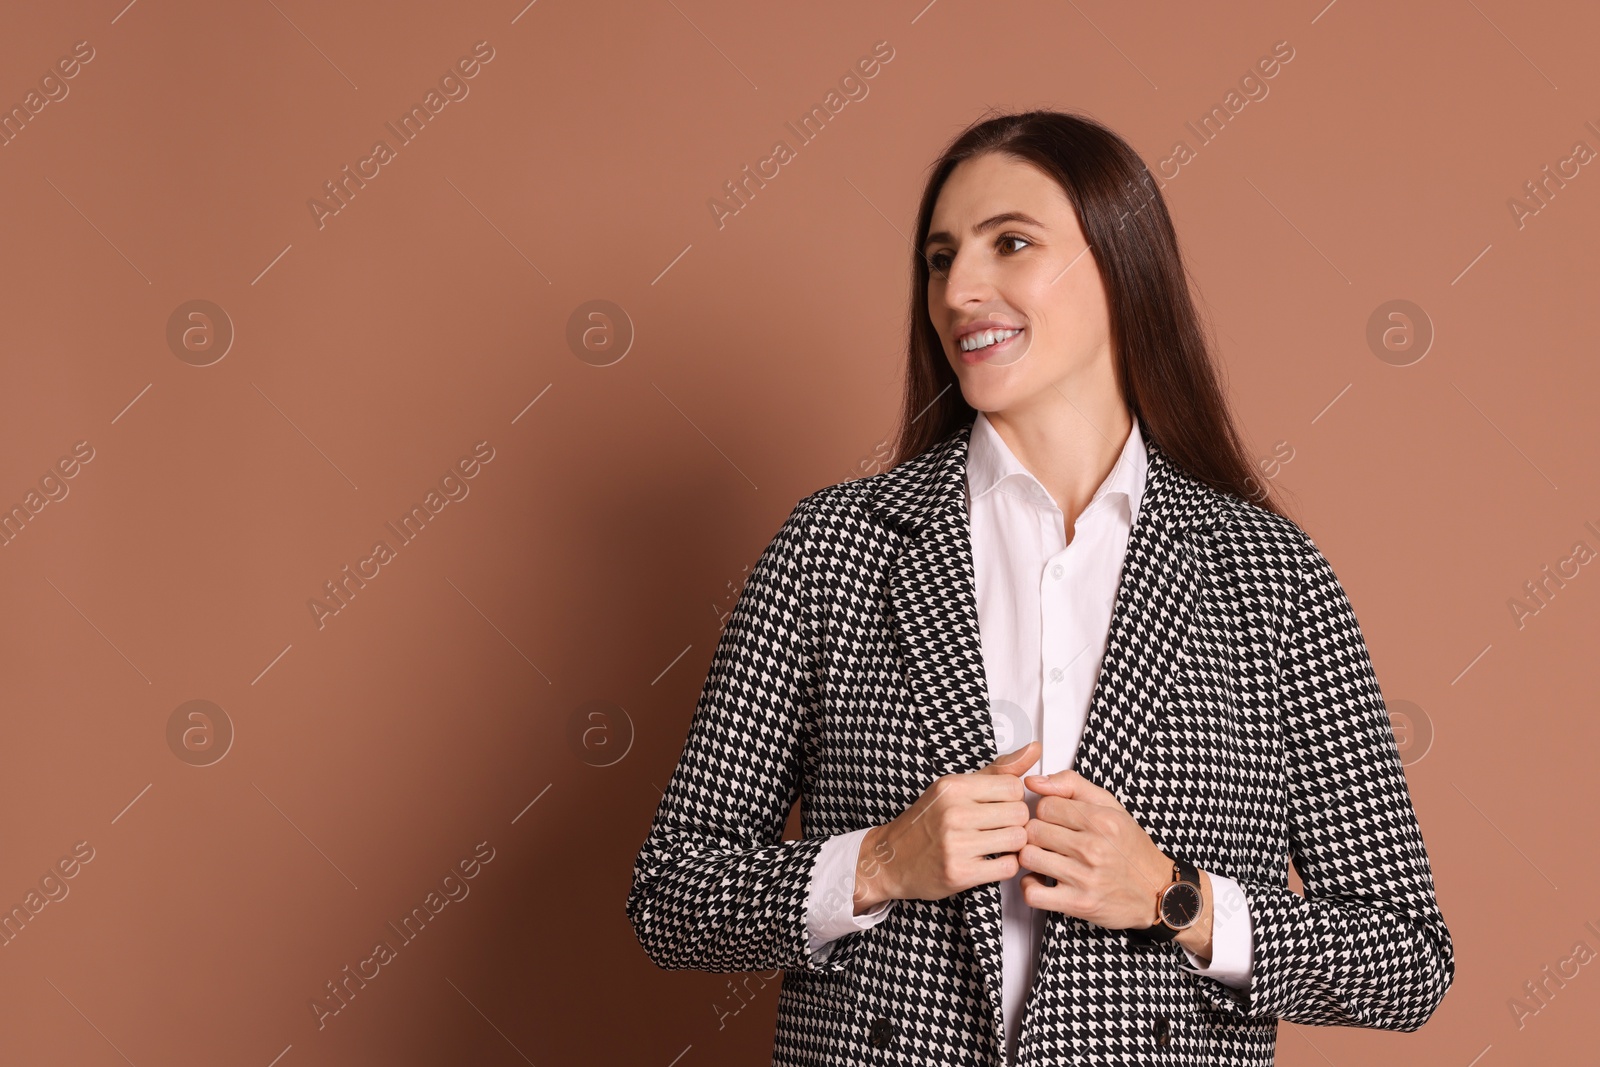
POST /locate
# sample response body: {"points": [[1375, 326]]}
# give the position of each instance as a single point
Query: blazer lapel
{"points": [[933, 601]]}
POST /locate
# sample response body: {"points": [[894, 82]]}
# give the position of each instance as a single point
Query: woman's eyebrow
{"points": [[988, 224]]}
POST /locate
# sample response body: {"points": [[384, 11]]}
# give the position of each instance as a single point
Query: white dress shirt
{"points": [[1044, 615]]}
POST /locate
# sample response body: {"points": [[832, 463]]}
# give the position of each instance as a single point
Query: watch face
{"points": [[1180, 905]]}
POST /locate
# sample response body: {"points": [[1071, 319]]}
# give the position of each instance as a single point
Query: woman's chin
{"points": [[986, 391]]}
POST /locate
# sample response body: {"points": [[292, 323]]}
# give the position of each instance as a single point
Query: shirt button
{"points": [[1057, 571], [1163, 1031], [882, 1033], [1055, 674]]}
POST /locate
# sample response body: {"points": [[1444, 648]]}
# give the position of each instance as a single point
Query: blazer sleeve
{"points": [[715, 887], [1366, 945]]}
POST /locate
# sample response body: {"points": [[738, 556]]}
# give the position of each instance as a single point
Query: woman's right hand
{"points": [[937, 846]]}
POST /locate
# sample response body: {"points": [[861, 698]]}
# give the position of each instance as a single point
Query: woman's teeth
{"points": [[974, 341]]}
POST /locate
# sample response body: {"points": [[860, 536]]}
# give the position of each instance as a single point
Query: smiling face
{"points": [[1009, 262]]}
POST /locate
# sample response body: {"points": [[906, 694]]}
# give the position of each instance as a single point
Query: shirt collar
{"points": [[990, 463]]}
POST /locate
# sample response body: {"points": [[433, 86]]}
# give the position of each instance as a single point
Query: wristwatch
{"points": [[1177, 905]]}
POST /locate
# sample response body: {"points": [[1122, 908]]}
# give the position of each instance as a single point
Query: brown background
{"points": [[597, 552]]}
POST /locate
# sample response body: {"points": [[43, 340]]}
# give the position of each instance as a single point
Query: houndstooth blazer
{"points": [[1236, 715]]}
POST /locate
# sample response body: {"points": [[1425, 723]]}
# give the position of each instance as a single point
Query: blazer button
{"points": [[1163, 1031], [882, 1033]]}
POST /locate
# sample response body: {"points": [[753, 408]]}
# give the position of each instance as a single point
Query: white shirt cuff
{"points": [[830, 902], [1232, 936]]}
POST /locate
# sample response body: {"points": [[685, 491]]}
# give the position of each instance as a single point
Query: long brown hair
{"points": [[1163, 359]]}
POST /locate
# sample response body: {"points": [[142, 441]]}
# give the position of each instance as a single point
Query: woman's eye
{"points": [[940, 261]]}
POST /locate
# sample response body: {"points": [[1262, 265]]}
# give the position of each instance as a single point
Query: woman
{"points": [[1070, 563]]}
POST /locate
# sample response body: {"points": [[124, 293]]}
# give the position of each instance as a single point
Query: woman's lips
{"points": [[995, 349]]}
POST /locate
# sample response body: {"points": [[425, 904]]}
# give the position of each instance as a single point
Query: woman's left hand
{"points": [[1106, 869]]}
